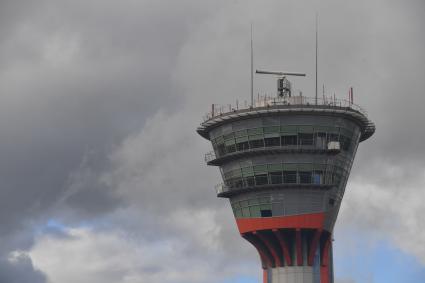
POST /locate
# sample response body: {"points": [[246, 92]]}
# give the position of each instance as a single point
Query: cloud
{"points": [[98, 113], [389, 209], [18, 268], [75, 80], [87, 255]]}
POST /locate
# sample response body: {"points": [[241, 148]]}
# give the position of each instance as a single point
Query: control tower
{"points": [[285, 162]]}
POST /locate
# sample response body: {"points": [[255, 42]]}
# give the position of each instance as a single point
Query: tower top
{"points": [[287, 105]]}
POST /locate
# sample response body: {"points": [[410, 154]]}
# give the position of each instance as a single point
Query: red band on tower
{"points": [[306, 221]]}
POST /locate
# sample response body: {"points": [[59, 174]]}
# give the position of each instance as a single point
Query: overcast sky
{"points": [[102, 172]]}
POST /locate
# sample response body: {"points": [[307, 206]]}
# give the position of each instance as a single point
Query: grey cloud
{"points": [[52, 115], [20, 270], [75, 80], [100, 101]]}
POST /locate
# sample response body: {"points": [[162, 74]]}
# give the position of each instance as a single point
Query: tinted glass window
{"points": [[305, 177], [272, 141], [266, 213], [289, 140], [290, 177]]}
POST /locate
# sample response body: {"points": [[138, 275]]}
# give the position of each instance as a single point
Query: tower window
{"points": [[273, 141], [305, 177], [290, 177], [289, 140], [305, 139], [256, 143], [242, 146], [276, 177], [318, 177], [231, 148], [321, 140], [261, 179], [266, 213]]}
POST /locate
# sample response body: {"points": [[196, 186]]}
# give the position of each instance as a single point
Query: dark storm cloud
{"points": [[75, 79], [20, 270], [52, 116], [99, 102], [395, 97]]}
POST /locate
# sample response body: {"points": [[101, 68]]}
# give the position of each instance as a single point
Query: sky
{"points": [[103, 176]]}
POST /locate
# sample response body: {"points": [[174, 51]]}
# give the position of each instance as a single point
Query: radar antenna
{"points": [[283, 84]]}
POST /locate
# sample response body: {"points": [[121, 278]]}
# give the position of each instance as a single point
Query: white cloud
{"points": [[87, 255], [388, 207]]}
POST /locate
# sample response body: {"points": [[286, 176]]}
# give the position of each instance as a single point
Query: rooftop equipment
{"points": [[283, 84]]}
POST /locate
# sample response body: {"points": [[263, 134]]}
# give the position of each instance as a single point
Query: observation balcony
{"points": [[210, 156], [287, 102], [331, 148], [276, 181], [225, 191], [266, 105]]}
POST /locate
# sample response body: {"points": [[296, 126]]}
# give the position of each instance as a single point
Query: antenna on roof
{"points": [[317, 37], [252, 71], [280, 74], [283, 84]]}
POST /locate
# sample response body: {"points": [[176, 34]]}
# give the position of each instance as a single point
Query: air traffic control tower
{"points": [[285, 162]]}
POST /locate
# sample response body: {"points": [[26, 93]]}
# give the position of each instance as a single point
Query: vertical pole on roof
{"points": [[316, 52], [252, 71]]}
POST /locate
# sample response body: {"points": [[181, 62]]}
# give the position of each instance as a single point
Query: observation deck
{"points": [[266, 106]]}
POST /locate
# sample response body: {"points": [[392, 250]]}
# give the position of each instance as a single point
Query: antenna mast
{"points": [[316, 53], [252, 72]]}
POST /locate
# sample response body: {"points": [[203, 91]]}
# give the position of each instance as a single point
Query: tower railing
{"points": [[221, 188], [210, 156], [224, 188], [287, 102]]}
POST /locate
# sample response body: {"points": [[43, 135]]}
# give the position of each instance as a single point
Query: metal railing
{"points": [[268, 101], [210, 156], [294, 179], [291, 179], [220, 188], [326, 146]]}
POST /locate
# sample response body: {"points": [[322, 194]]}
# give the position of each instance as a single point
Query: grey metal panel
{"points": [[247, 123], [278, 209], [227, 129], [290, 202], [216, 132], [270, 120]]}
